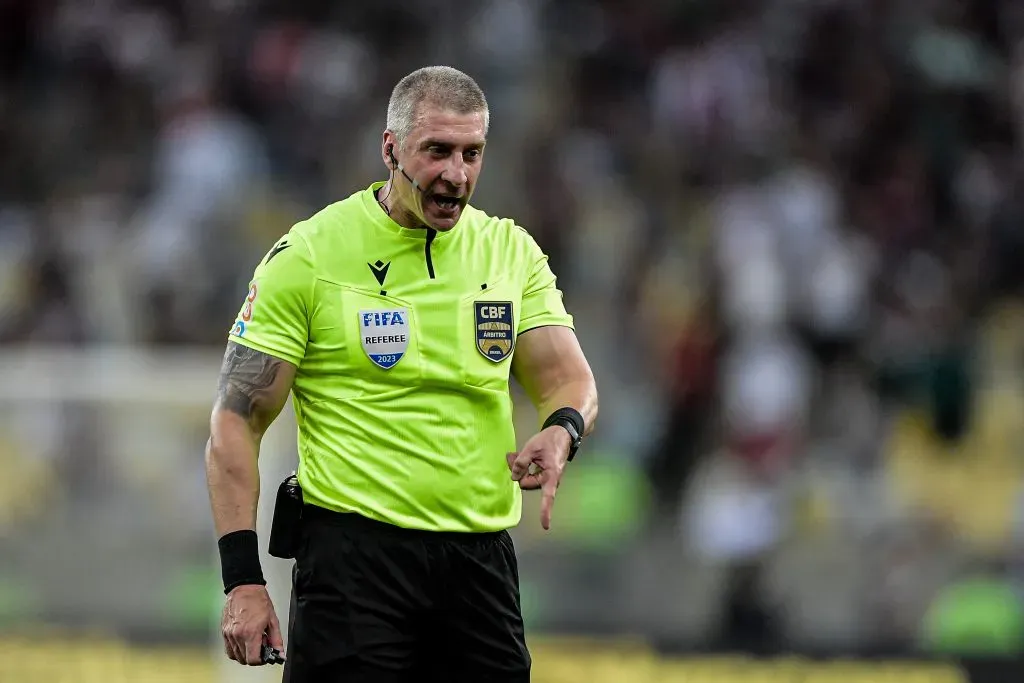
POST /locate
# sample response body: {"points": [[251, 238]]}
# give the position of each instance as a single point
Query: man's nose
{"points": [[455, 171]]}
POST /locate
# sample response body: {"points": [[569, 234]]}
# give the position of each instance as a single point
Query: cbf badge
{"points": [[495, 336], [385, 335]]}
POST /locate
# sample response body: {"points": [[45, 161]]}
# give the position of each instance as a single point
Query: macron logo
{"points": [[379, 270]]}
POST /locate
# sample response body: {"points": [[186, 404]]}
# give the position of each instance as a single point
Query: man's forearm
{"points": [[581, 395], [232, 474], [253, 388]]}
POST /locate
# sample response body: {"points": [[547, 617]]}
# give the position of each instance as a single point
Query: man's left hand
{"points": [[539, 465]]}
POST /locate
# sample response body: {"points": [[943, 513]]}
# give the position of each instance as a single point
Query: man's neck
{"points": [[387, 199]]}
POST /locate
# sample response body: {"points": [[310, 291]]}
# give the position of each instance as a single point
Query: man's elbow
{"points": [[216, 452], [218, 457], [231, 438]]}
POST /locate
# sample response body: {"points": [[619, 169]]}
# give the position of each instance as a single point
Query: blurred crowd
{"points": [[789, 231]]}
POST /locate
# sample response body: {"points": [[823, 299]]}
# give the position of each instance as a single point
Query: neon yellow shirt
{"points": [[403, 339]]}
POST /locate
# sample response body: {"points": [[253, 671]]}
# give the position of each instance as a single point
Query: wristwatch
{"points": [[577, 439]]}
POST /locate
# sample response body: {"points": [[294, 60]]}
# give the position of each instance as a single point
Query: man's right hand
{"points": [[249, 618]]}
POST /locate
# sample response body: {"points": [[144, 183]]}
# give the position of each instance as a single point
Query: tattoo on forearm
{"points": [[246, 376]]}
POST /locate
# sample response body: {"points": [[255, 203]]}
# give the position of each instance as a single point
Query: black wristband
{"points": [[572, 421], [240, 559], [571, 414]]}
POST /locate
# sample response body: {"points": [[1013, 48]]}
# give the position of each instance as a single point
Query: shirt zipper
{"points": [[431, 234]]}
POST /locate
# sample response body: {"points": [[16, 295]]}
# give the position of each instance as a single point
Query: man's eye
{"points": [[472, 154]]}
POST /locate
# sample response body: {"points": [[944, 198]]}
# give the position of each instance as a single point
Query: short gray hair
{"points": [[441, 86]]}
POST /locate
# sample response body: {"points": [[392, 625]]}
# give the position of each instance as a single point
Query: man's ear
{"points": [[388, 150]]}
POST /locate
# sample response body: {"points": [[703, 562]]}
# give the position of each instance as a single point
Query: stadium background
{"points": [[789, 230]]}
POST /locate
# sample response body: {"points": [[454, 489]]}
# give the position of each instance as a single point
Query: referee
{"points": [[395, 318]]}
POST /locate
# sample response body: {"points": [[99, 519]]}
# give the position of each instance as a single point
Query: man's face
{"points": [[443, 153]]}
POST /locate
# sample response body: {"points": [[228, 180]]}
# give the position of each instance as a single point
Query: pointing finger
{"points": [[547, 501]]}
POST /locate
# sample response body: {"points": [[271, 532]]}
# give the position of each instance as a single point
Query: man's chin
{"points": [[444, 225], [442, 219]]}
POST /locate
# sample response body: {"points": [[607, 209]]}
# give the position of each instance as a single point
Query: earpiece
{"points": [[398, 167]]}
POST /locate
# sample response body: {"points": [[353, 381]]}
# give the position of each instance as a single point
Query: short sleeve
{"points": [[542, 300], [274, 317]]}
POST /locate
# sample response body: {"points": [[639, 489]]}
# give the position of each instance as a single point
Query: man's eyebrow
{"points": [[431, 142]]}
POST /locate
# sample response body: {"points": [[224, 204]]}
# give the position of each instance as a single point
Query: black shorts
{"points": [[375, 603]]}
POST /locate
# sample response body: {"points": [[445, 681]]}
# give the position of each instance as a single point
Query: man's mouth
{"points": [[446, 202]]}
